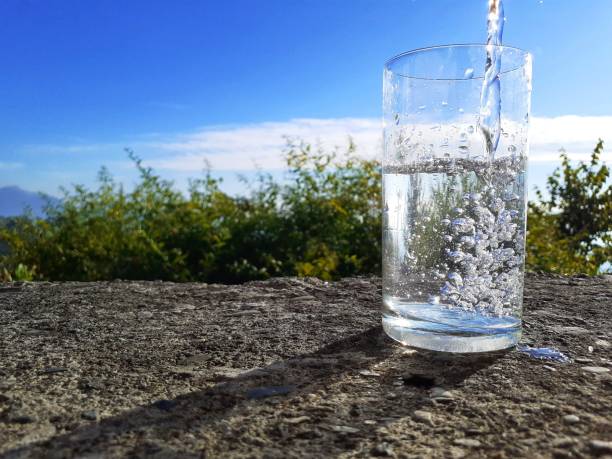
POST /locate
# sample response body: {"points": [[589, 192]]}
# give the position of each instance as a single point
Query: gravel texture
{"points": [[290, 368]]}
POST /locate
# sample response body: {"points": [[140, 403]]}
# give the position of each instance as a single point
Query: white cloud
{"points": [[260, 145], [10, 166], [247, 147], [576, 134], [244, 148]]}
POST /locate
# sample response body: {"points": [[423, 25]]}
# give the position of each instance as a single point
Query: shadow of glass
{"points": [[292, 379]]}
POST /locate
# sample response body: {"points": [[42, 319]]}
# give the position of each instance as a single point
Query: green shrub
{"points": [[571, 231], [325, 222]]}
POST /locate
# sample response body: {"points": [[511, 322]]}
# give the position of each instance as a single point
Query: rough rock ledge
{"points": [[290, 368]]}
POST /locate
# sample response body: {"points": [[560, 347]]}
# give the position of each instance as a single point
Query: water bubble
{"points": [[462, 225], [456, 255], [467, 241], [460, 110], [444, 103], [463, 148], [422, 107], [497, 205], [455, 278], [512, 149], [396, 117], [470, 129], [433, 299], [463, 137], [469, 73]]}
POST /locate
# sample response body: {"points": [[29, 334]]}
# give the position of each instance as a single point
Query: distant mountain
{"points": [[14, 200]]}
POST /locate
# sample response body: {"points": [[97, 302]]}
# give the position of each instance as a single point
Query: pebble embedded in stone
{"points": [[469, 442], [369, 373], [571, 419], [297, 420], [582, 360], [423, 416], [344, 429], [382, 450], [441, 394], [89, 415], [563, 442], [601, 446], [596, 370], [602, 343]]}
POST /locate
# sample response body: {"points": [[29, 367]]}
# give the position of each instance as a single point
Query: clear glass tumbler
{"points": [[454, 214]]}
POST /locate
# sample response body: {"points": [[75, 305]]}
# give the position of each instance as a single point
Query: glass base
{"points": [[439, 328]]}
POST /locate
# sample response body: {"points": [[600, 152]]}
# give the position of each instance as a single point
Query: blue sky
{"points": [[179, 81]]}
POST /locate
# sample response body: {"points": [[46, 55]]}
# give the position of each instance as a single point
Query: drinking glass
{"points": [[454, 213]]}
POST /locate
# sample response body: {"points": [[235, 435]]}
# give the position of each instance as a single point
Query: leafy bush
{"points": [[571, 231], [325, 222]]}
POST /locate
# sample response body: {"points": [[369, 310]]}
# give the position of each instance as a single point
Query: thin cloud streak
{"points": [[260, 145], [253, 146], [249, 147], [10, 166]]}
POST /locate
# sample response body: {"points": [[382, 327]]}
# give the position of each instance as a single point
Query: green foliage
{"points": [[571, 231], [324, 222]]}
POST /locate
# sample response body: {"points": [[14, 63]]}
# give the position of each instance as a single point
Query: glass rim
{"points": [[389, 62]]}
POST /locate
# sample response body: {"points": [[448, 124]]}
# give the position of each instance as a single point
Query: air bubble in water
{"points": [[469, 73], [467, 241], [455, 279], [433, 299], [470, 129], [462, 225]]}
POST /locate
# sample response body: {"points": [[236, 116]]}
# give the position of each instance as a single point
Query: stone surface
{"points": [[289, 368]]}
